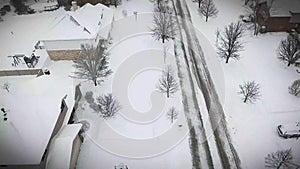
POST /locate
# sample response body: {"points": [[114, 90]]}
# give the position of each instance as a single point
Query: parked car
{"points": [[291, 130]]}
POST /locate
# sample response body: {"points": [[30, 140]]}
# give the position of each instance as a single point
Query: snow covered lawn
{"points": [[253, 126], [141, 132]]}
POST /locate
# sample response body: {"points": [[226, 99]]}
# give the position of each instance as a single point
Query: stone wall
{"points": [[63, 54]]}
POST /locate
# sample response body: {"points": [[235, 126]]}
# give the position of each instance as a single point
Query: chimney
{"points": [[74, 5]]}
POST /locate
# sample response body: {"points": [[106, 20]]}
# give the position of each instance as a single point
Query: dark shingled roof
{"points": [[295, 18]]}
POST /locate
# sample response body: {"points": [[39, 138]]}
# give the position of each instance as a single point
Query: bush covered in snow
{"points": [[20, 6], [108, 105], [294, 89]]}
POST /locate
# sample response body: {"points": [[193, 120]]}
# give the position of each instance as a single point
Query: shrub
{"points": [[6, 8], [20, 6], [294, 89]]}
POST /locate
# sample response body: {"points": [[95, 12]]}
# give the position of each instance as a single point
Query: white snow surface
{"points": [[33, 106], [121, 139]]}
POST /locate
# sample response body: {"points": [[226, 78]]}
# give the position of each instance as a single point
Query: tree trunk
{"points": [[206, 18], [289, 63], [168, 94], [227, 59], [95, 82], [280, 164], [246, 98], [199, 3], [163, 38]]}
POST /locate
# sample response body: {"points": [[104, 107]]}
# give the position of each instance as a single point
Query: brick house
{"points": [[280, 16], [86, 25]]}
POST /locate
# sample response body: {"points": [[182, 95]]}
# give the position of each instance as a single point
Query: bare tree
{"points": [[163, 26], [252, 8], [172, 114], [229, 41], [199, 2], [246, 2], [163, 7], [288, 51], [280, 159], [250, 91], [294, 89], [108, 105], [167, 83], [6, 86], [160, 2], [92, 63], [208, 9]]}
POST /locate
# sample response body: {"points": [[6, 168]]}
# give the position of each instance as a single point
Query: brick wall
{"points": [[63, 54], [279, 24]]}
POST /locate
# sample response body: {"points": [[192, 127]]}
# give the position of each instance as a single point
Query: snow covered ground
{"points": [[141, 133], [253, 127], [145, 140]]}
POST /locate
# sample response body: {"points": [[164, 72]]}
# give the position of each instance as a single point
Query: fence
{"points": [[20, 72]]}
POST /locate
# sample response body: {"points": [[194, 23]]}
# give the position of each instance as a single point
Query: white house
{"points": [[86, 25]]}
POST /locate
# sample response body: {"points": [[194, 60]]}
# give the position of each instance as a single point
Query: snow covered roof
{"points": [[60, 151], [283, 8], [20, 33], [83, 23], [33, 107]]}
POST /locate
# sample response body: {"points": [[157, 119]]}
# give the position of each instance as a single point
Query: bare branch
{"points": [[250, 91], [208, 9], [164, 25], [167, 83], [92, 63], [288, 51], [279, 159], [172, 114], [108, 105], [229, 41]]}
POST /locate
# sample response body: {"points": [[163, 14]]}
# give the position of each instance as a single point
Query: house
{"points": [[35, 114], [279, 15], [41, 108], [58, 36], [86, 25], [65, 148]]}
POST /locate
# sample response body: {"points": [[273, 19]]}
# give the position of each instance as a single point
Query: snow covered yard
{"points": [[253, 126], [141, 133]]}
